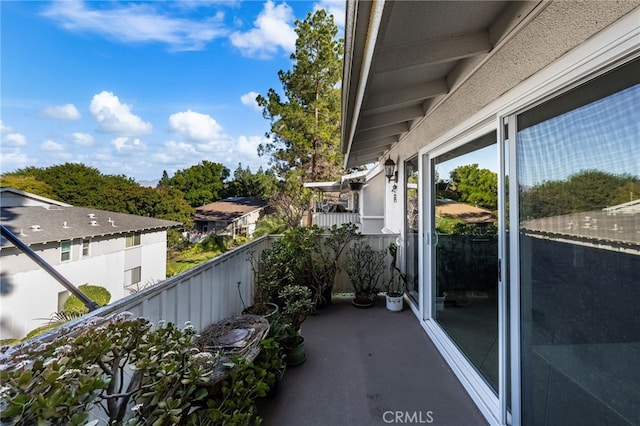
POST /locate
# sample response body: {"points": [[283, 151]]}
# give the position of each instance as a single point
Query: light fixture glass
{"points": [[389, 169]]}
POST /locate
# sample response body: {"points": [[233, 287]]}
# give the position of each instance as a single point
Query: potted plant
{"points": [[364, 266], [297, 305], [397, 283], [267, 283], [324, 259], [262, 296]]}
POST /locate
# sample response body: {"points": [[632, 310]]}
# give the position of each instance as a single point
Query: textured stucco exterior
{"points": [[558, 28]]}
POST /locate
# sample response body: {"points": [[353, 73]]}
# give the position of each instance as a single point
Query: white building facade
{"points": [[120, 252]]}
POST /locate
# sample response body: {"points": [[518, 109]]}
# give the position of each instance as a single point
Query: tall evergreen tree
{"points": [[305, 122]]}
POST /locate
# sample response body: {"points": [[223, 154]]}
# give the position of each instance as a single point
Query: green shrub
{"points": [[270, 224], [62, 381], [98, 294], [42, 329]]}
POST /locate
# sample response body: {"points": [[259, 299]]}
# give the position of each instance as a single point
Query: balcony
{"points": [[364, 366]]}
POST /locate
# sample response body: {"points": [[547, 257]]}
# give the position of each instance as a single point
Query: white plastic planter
{"points": [[394, 304]]}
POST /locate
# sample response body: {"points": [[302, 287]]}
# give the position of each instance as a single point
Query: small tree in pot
{"points": [[324, 259], [364, 266]]}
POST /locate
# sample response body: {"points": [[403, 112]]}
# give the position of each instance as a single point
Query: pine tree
{"points": [[305, 123]]}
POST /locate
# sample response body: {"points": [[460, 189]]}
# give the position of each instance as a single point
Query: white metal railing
{"points": [[202, 295], [327, 220], [209, 292]]}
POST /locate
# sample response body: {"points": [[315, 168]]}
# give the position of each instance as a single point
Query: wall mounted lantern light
{"points": [[390, 170]]}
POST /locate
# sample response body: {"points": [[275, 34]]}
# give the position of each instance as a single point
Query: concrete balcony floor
{"points": [[364, 363]]}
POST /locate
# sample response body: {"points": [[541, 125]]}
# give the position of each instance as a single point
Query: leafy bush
{"points": [[43, 329], [98, 294], [365, 267], [121, 363], [270, 224]]}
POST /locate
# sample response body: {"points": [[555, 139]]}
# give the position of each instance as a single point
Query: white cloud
{"points": [[245, 151], [126, 144], [249, 99], [62, 112], [176, 153], [15, 139], [335, 8], [248, 146], [50, 145], [4, 129], [137, 23], [13, 159], [115, 117], [195, 126], [273, 29], [82, 139]]}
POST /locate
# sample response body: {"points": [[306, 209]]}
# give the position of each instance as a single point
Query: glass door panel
{"points": [[411, 226], [465, 257], [578, 173]]}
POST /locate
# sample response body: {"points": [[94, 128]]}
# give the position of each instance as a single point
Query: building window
{"points": [[85, 247], [65, 251], [132, 277], [133, 239]]}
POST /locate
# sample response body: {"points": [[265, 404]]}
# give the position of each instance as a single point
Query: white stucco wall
{"points": [[372, 201], [29, 295]]}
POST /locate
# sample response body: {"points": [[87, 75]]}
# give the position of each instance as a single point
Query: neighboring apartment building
{"points": [[544, 329], [120, 252], [235, 216]]}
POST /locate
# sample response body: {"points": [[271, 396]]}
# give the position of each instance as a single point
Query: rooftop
{"points": [[229, 209], [41, 224]]}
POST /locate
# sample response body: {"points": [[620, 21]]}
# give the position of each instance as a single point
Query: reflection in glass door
{"points": [[578, 202], [464, 206], [411, 226]]}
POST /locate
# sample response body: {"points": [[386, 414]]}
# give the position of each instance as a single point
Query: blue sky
{"points": [[136, 88]]}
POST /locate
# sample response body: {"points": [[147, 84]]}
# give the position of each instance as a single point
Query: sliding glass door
{"points": [[463, 208], [578, 263], [412, 206]]}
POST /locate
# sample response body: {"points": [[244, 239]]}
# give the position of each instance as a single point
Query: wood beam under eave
{"points": [[381, 132], [374, 143], [365, 150], [357, 160], [385, 99], [392, 117], [434, 52]]}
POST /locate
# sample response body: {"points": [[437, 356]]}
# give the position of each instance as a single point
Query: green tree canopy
{"points": [[85, 186], [475, 186], [248, 184], [305, 122], [581, 192], [29, 184], [201, 184]]}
